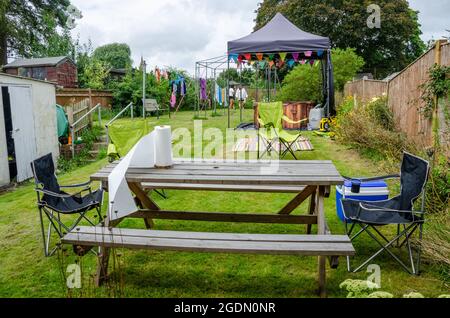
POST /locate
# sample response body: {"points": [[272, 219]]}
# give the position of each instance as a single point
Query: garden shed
{"points": [[28, 125]]}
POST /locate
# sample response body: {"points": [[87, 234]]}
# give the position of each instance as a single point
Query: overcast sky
{"points": [[181, 32]]}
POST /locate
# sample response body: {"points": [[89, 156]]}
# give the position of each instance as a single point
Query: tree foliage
{"points": [[116, 55], [24, 24], [95, 74], [59, 41], [387, 49], [305, 82]]}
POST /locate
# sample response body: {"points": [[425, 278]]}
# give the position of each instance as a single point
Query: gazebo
{"points": [[280, 42]]}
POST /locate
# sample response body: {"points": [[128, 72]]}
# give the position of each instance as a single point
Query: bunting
{"points": [[303, 62], [262, 64], [248, 56], [308, 53], [271, 63], [295, 56], [291, 63], [233, 57], [271, 57], [319, 53], [283, 56], [311, 62], [259, 56]]}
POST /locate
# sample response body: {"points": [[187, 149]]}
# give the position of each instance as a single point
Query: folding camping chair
{"points": [[53, 202], [271, 117], [396, 211]]}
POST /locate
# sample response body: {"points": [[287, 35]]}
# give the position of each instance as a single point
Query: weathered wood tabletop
{"points": [[307, 179], [284, 173]]}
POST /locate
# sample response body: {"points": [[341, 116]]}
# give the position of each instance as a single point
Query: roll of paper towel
{"points": [[163, 147]]}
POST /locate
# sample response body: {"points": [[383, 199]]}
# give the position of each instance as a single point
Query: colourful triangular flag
{"points": [[319, 53], [311, 62], [303, 62], [308, 53], [259, 56], [271, 57], [248, 56], [283, 56], [233, 57], [291, 63], [262, 64], [295, 56], [271, 63]]}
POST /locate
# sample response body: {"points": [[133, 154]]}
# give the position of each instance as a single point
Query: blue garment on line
{"points": [[219, 94]]}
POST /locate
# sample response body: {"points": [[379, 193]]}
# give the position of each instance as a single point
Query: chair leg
{"points": [[43, 232], [419, 252], [407, 232]]}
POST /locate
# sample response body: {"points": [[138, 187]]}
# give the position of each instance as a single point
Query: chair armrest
{"points": [[374, 208], [86, 184], [53, 194], [263, 124], [392, 176], [290, 121]]}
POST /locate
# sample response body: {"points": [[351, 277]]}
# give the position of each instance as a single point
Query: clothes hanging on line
{"points": [[219, 94], [158, 74], [203, 84], [224, 96], [241, 94]]}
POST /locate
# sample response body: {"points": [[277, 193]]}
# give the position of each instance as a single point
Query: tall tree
{"points": [[386, 49], [116, 55], [23, 25]]}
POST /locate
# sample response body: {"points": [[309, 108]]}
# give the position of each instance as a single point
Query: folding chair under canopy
{"points": [[271, 117], [53, 202], [399, 211]]}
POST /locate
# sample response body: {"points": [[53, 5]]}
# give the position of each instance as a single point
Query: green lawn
{"points": [[25, 272]]}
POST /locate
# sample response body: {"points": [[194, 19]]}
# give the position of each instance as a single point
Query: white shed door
{"points": [[23, 130]]}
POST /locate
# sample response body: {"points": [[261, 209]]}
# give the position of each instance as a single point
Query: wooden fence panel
{"points": [[365, 90], [404, 95], [65, 97]]}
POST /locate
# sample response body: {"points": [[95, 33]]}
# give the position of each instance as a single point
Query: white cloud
{"points": [[166, 33], [181, 32]]}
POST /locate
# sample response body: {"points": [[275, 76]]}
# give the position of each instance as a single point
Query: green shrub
{"points": [[365, 128], [305, 82]]}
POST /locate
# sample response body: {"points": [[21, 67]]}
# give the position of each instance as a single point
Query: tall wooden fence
{"points": [[65, 97], [404, 94], [365, 90]]}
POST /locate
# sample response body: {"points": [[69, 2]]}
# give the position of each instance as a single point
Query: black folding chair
{"points": [[370, 216], [53, 202]]}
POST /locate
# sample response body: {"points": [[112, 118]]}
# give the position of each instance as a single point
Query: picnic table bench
{"points": [[309, 180]]}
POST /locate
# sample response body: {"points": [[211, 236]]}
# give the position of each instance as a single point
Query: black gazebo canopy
{"points": [[281, 35]]}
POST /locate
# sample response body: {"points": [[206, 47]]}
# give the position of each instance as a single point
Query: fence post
{"points": [[132, 111], [72, 132]]}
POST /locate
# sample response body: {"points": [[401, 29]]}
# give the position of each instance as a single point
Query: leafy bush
{"points": [[305, 82], [370, 128]]}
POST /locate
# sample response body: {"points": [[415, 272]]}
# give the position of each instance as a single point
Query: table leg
{"points": [[145, 200], [103, 257], [299, 199], [312, 210], [321, 231]]}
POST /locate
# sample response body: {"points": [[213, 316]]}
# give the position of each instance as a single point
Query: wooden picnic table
{"points": [[309, 180]]}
